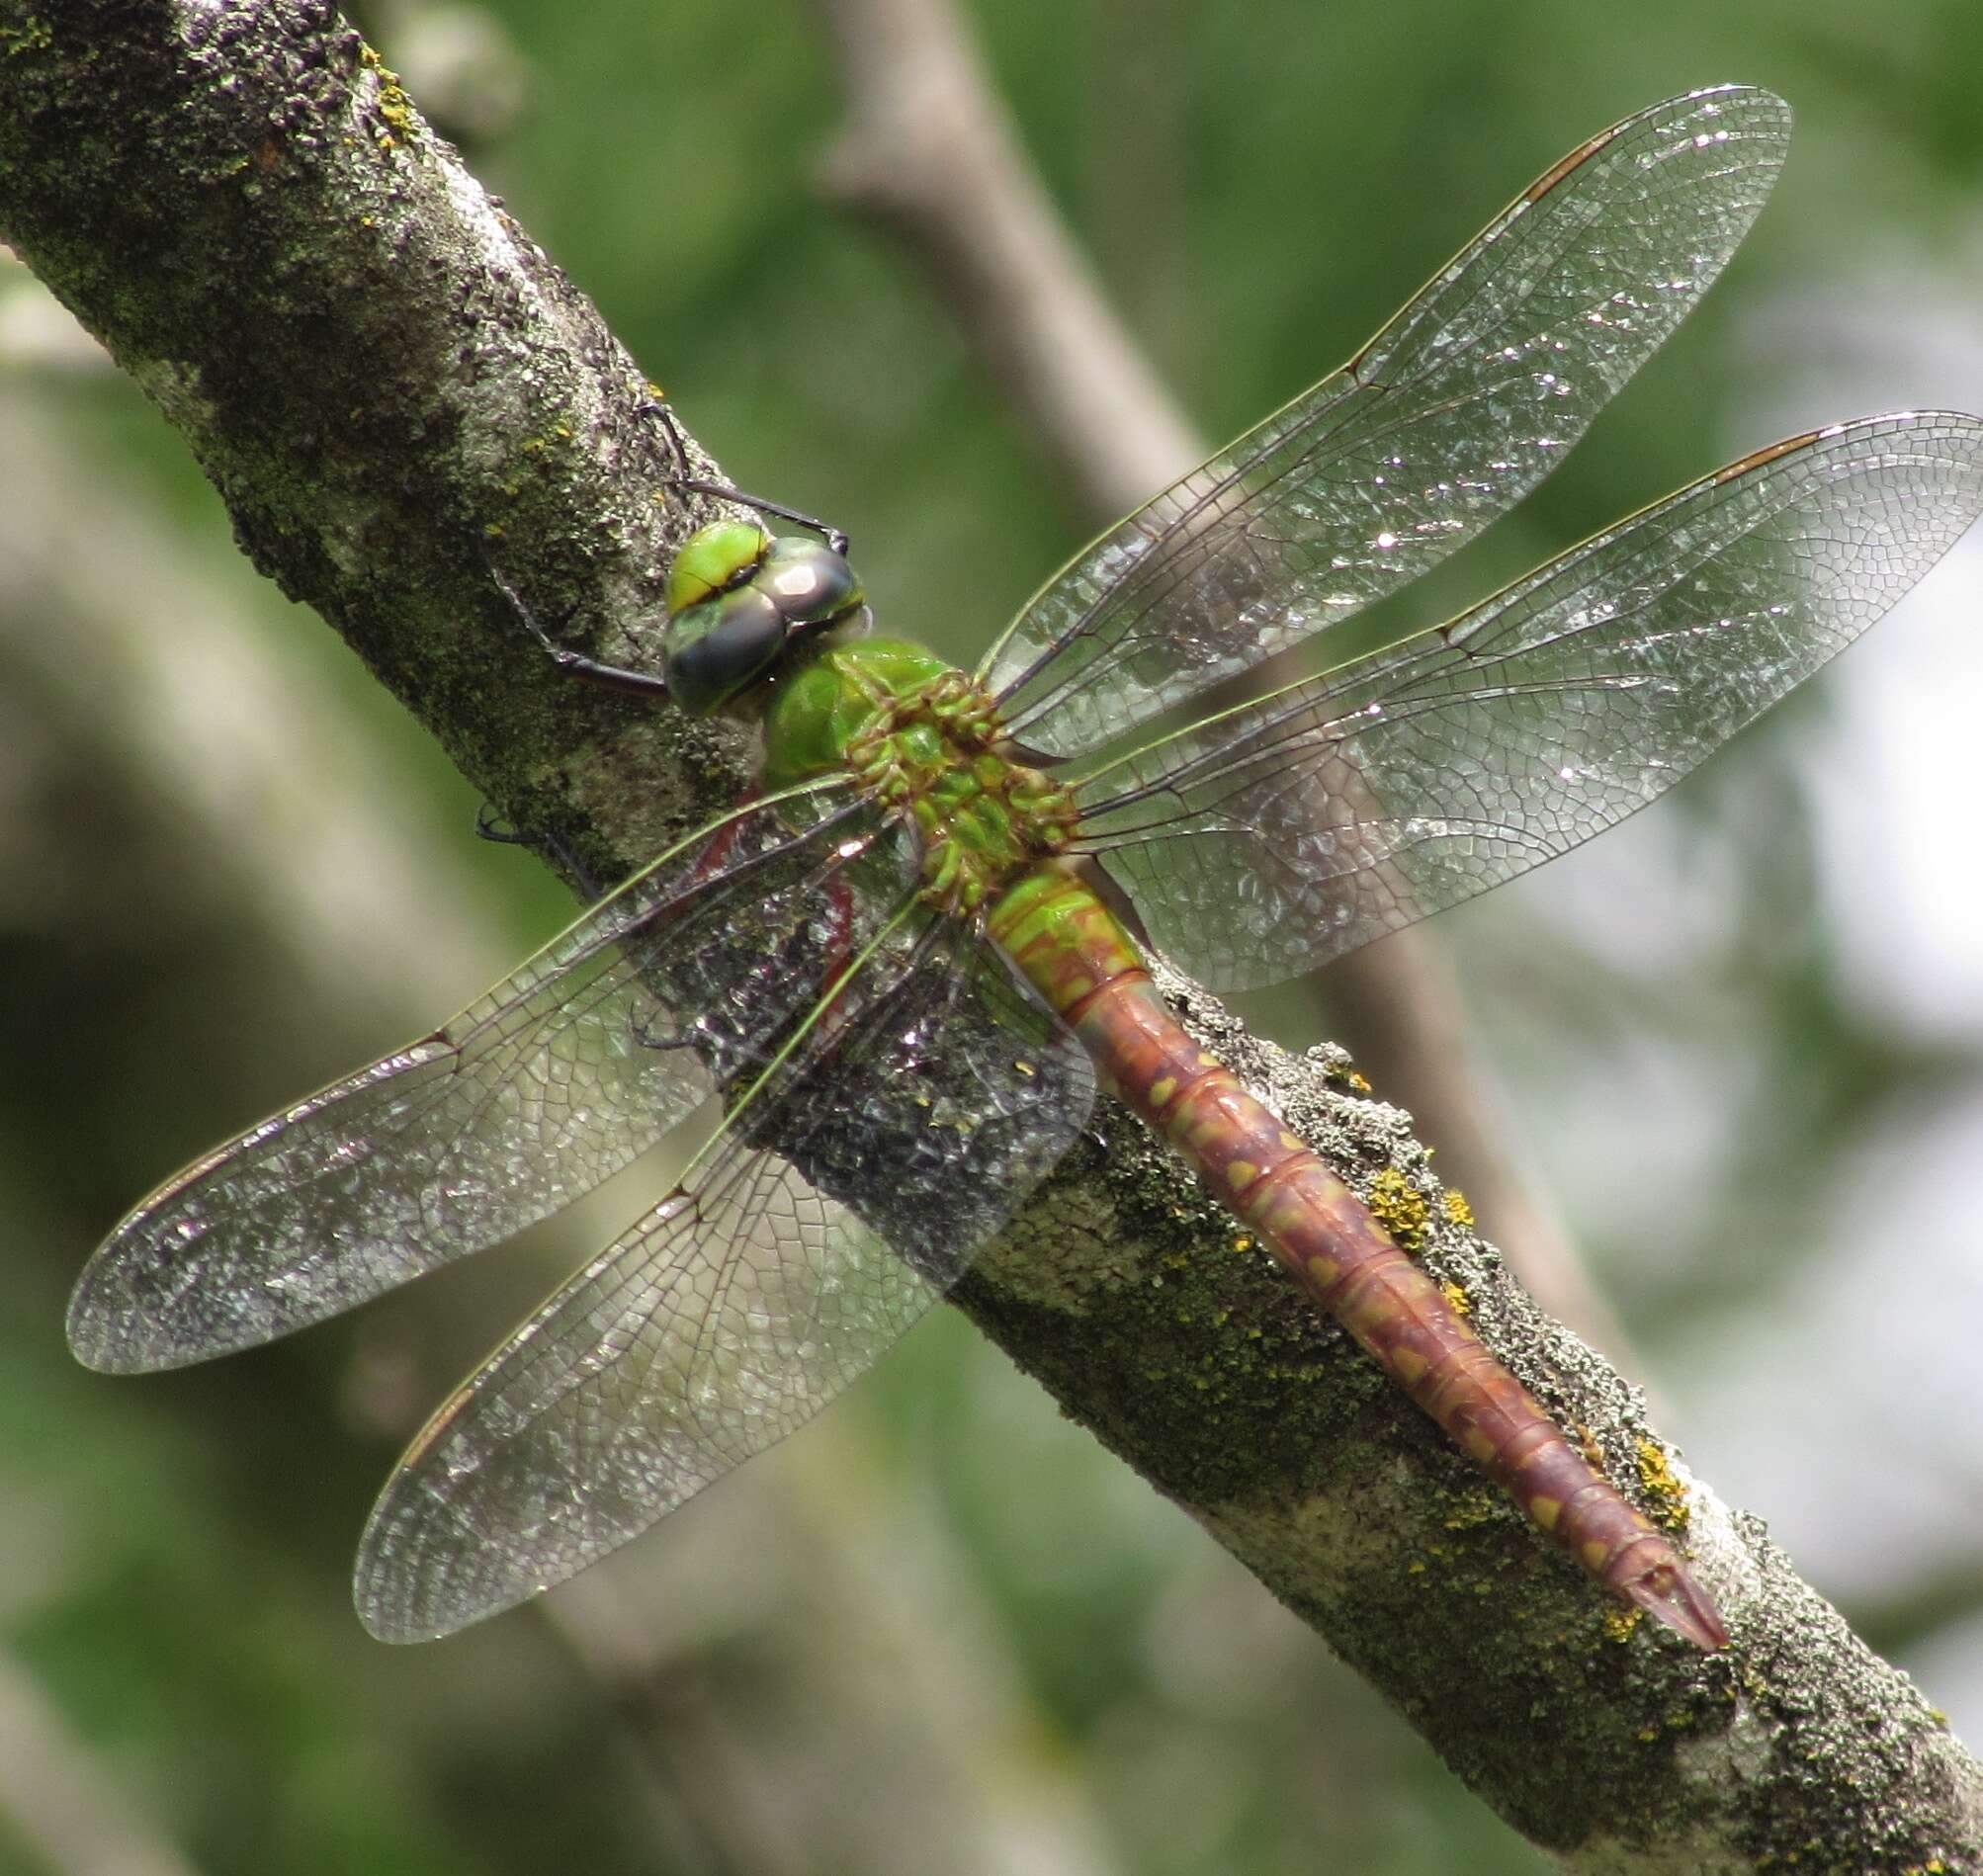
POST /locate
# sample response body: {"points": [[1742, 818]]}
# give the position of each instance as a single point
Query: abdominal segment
{"points": [[1077, 955]]}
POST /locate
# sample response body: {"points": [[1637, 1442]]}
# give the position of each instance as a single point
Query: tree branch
{"points": [[389, 385]]}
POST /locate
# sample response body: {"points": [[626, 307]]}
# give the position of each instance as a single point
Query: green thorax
{"points": [[920, 738]]}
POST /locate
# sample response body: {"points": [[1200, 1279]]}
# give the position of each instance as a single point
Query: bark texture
{"points": [[392, 388]]}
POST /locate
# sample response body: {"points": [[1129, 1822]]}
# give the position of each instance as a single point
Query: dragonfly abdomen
{"points": [[1075, 953]]}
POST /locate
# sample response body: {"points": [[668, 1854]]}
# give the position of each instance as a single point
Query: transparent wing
{"points": [[556, 1078], [915, 1115], [1262, 842], [1453, 413]]}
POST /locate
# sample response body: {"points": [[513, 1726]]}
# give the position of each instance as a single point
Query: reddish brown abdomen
{"points": [[1075, 953]]}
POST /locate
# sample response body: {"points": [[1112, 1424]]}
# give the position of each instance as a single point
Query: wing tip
{"points": [[401, 1602], [390, 1625], [1769, 100], [1766, 109], [105, 1325], [125, 1318], [99, 1349]]}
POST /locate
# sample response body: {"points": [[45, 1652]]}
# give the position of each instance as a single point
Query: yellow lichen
{"points": [[1457, 1298], [1397, 1205], [1458, 1211], [1619, 1623], [1473, 1508], [395, 106], [1341, 1072], [1668, 1495]]}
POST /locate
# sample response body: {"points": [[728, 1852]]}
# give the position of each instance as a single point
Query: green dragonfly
{"points": [[890, 968]]}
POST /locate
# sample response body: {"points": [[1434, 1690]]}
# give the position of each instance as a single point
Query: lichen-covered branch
{"points": [[392, 388], [390, 385]]}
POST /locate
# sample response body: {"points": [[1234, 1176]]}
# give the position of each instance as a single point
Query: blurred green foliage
{"points": [[944, 1632]]}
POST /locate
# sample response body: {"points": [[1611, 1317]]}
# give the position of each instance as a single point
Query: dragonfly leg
{"points": [[834, 537], [839, 946], [572, 663], [490, 825]]}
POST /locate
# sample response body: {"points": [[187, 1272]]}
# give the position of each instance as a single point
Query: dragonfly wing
{"points": [[1265, 841], [846, 1195], [556, 1079], [1452, 413]]}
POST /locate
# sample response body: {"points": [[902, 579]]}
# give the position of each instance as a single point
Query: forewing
{"points": [[1453, 413], [1268, 840], [900, 1134], [556, 1078]]}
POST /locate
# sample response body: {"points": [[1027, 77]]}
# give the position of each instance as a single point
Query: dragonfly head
{"points": [[738, 595]]}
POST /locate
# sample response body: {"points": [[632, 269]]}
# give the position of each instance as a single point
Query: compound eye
{"points": [[713, 649], [810, 582], [712, 560]]}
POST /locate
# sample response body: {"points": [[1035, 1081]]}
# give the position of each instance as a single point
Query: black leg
{"points": [[834, 537], [489, 827], [575, 663]]}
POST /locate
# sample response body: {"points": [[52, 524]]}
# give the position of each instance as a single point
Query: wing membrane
{"points": [[1453, 413], [1265, 841], [839, 1202], [580, 1059]]}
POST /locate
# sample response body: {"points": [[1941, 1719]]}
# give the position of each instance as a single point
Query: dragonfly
{"points": [[891, 977]]}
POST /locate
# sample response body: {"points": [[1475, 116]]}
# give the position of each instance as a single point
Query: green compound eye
{"points": [[735, 596], [713, 650], [712, 560]]}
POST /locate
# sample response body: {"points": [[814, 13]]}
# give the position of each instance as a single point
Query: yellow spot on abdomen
{"points": [[1408, 1365], [1545, 1511], [1162, 1089], [1240, 1173]]}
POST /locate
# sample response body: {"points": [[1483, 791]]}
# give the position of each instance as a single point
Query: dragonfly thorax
{"points": [[924, 740]]}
